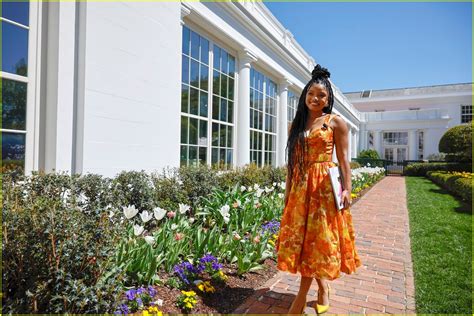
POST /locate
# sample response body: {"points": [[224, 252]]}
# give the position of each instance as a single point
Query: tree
{"points": [[456, 143]]}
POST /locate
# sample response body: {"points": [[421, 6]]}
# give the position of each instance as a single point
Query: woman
{"points": [[315, 238]]}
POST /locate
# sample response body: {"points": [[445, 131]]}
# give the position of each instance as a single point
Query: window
{"points": [[14, 73], [263, 102], [395, 138], [207, 102], [420, 144], [466, 113], [292, 106]]}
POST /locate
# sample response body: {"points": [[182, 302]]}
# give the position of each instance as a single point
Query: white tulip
{"points": [[183, 208], [129, 211], [281, 195], [150, 240], [256, 186], [225, 210], [138, 230], [159, 213], [226, 219], [191, 220], [274, 184], [259, 192], [242, 188], [174, 226], [145, 216]]}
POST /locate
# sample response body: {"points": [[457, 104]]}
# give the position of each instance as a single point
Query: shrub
{"points": [[459, 184], [420, 169], [355, 165], [369, 153], [251, 174], [133, 188], [54, 251], [457, 143]]}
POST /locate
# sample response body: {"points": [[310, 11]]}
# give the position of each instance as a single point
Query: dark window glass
{"points": [[13, 150], [224, 62], [204, 77], [223, 136], [230, 115], [184, 155], [217, 57], [186, 41], [193, 155], [194, 101], [202, 155], [14, 49], [194, 73], [184, 98], [215, 108], [214, 155], [231, 66], [216, 82], [17, 11], [13, 104], [231, 89], [202, 133], [229, 136], [223, 110], [184, 130], [204, 50], [194, 45], [185, 70], [203, 104], [193, 131], [215, 134]]}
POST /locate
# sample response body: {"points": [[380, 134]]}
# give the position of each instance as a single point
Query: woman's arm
{"points": [[341, 141]]}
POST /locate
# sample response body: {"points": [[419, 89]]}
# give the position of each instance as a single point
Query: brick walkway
{"points": [[383, 284]]}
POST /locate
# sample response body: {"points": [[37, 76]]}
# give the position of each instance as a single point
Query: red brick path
{"points": [[383, 284]]}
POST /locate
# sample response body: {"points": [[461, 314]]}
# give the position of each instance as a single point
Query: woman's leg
{"points": [[298, 305], [322, 292]]}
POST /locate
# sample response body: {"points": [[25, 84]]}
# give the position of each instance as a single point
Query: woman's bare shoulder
{"points": [[338, 123]]}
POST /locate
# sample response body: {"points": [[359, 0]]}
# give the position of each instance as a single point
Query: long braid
{"points": [[296, 146]]}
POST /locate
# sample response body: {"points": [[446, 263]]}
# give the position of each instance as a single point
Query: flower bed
{"points": [[87, 244]]}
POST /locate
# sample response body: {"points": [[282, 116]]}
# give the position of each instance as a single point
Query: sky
{"points": [[383, 45]]}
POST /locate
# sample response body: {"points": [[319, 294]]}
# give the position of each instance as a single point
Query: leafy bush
{"points": [[133, 188], [54, 251], [420, 169], [369, 153], [251, 174], [355, 165], [458, 183], [457, 143]]}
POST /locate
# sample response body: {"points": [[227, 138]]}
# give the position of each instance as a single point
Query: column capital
{"points": [[285, 83], [247, 57]]}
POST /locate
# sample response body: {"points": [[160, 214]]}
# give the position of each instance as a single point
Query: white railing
{"points": [[428, 114]]}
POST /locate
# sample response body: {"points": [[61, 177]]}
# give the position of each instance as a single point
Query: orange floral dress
{"points": [[315, 238]]}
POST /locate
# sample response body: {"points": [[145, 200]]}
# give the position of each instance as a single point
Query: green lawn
{"points": [[440, 232]]}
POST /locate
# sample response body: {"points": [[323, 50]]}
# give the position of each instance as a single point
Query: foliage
{"points": [[420, 169], [457, 183], [369, 153], [457, 143]]}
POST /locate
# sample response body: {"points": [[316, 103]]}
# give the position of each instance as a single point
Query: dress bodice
{"points": [[320, 143]]}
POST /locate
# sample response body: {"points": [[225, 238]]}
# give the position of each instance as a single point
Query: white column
{"points": [[60, 98], [282, 121], [378, 142], [354, 143], [412, 148], [243, 108]]}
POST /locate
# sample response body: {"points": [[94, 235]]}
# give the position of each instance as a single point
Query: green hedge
{"points": [[457, 183], [420, 169]]}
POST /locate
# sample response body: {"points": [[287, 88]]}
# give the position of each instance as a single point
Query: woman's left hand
{"points": [[346, 199]]}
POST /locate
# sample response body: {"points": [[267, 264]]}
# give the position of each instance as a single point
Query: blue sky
{"points": [[384, 45]]}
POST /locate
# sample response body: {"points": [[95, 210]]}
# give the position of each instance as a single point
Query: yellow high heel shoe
{"points": [[321, 309]]}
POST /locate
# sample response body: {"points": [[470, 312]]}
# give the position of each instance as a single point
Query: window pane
{"points": [[231, 66], [194, 45], [184, 129], [229, 157], [13, 150], [194, 101], [224, 64], [193, 155], [202, 133], [184, 99], [16, 11], [193, 131], [222, 157], [185, 70], [223, 136], [217, 58], [202, 155], [204, 77], [216, 83], [251, 118], [215, 134], [203, 104], [223, 111], [13, 104], [229, 136], [215, 107], [230, 112], [231, 89], [224, 86], [184, 155], [14, 49], [194, 73], [204, 50], [214, 157], [185, 40]]}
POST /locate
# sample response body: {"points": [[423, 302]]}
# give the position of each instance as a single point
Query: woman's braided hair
{"points": [[296, 145]]}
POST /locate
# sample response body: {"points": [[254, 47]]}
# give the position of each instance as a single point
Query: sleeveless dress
{"points": [[315, 238]]}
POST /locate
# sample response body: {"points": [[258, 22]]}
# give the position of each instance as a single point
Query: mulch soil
{"points": [[228, 295]]}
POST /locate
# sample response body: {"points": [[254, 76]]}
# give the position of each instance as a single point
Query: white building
{"points": [[106, 87], [407, 124]]}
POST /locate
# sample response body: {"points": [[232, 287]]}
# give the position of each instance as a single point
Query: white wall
{"points": [[132, 87]]}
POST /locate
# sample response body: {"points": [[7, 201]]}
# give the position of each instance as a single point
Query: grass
{"points": [[440, 232]]}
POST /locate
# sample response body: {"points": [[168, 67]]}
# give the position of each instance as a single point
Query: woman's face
{"points": [[316, 98]]}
